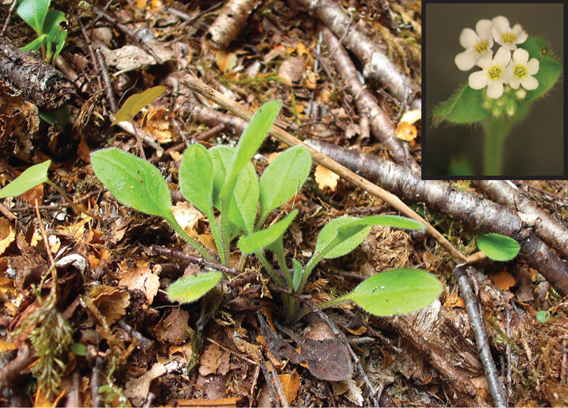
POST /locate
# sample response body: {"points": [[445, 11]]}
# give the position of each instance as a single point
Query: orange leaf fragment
{"points": [[7, 234], [454, 300], [290, 385], [325, 178], [503, 280], [406, 131], [226, 61]]}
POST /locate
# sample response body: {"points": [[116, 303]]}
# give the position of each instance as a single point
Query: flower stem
{"points": [[493, 154]]}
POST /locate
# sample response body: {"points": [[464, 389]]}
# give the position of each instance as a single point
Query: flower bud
{"points": [[521, 93]]}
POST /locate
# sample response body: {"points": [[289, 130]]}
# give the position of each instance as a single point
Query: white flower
{"points": [[477, 45], [494, 74], [522, 70], [505, 36]]}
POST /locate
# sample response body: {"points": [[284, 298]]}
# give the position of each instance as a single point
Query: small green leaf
{"points": [[244, 206], [35, 44], [396, 292], [498, 247], [191, 288], [33, 12], [250, 141], [29, 179], [463, 107], [297, 278], [343, 235], [284, 177], [222, 157], [136, 102], [262, 239], [56, 35], [549, 67], [133, 181], [79, 349], [60, 117], [196, 178], [543, 316]]}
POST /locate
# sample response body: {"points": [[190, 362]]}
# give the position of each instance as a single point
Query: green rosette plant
{"points": [[499, 95]]}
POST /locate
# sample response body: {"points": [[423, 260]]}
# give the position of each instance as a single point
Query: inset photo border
{"points": [[536, 147]]}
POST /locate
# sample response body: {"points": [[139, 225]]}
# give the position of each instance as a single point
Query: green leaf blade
{"points": [[32, 177], [549, 67], [196, 178], [261, 239], [396, 292], [34, 12], [463, 107], [133, 181], [283, 178], [244, 208], [498, 247], [136, 102], [191, 288]]}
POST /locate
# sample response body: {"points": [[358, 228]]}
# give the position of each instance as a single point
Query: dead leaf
{"points": [[226, 61], [174, 328], [187, 216], [7, 234], [212, 360], [291, 70], [411, 116], [139, 387], [350, 388], [111, 302], [406, 131], [290, 385], [503, 280], [140, 277], [454, 300], [34, 194], [325, 178], [156, 121]]}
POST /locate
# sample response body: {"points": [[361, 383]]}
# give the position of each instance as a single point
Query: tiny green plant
{"points": [[225, 179], [33, 177], [133, 105], [499, 95], [498, 247], [47, 25]]}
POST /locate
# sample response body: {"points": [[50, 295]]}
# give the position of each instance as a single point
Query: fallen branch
{"points": [[496, 388], [376, 64], [477, 213], [381, 125], [546, 227], [231, 20]]}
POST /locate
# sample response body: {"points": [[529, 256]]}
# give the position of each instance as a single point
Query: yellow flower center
{"points": [[481, 47], [494, 72], [509, 38], [520, 71]]}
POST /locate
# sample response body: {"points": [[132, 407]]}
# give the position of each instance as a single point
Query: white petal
{"points": [[520, 34], [501, 24], [521, 56], [514, 82], [487, 55], [485, 63], [478, 80], [497, 35], [468, 38], [494, 89], [466, 60], [483, 28], [533, 66], [510, 47], [507, 74], [529, 83], [502, 57]]}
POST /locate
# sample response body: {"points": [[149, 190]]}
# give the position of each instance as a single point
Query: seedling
{"points": [[133, 105], [47, 25], [498, 247], [33, 177], [224, 178]]}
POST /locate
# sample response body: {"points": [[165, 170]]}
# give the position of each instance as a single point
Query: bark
{"points": [[38, 82], [547, 228], [231, 20], [381, 125], [213, 118], [376, 64], [477, 213]]}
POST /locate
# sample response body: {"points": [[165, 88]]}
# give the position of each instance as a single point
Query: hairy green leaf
{"points": [[396, 292], [343, 235], [262, 239], [244, 205], [284, 177], [549, 67], [196, 178], [136, 102], [33, 12], [29, 179], [543, 316], [191, 288], [498, 247], [463, 107], [133, 181], [222, 157], [297, 278]]}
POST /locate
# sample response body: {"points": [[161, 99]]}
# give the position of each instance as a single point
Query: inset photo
{"points": [[494, 91]]}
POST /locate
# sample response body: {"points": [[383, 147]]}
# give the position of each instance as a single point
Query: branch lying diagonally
{"points": [[546, 227], [377, 64], [479, 214], [381, 125]]}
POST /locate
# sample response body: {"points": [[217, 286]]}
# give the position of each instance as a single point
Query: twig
{"points": [[11, 370], [106, 78], [192, 82], [71, 203], [8, 17], [495, 384]]}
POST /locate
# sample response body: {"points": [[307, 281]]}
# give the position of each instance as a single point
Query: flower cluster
{"points": [[504, 67]]}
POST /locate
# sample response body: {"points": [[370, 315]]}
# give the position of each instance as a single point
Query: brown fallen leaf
{"points": [[140, 277], [503, 280], [290, 385], [111, 302], [7, 234], [325, 178]]}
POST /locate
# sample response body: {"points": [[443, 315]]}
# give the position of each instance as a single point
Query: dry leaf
{"points": [[226, 61], [174, 329], [156, 121], [411, 116], [34, 194], [139, 387], [503, 280], [325, 178], [290, 385], [291, 70], [187, 216], [7, 234], [111, 302], [406, 131], [454, 300], [348, 386], [212, 359], [140, 277]]}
